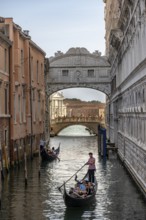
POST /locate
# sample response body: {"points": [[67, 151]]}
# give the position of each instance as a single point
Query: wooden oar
{"points": [[71, 177]]}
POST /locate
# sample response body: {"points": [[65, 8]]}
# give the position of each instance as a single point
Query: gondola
{"points": [[50, 157], [71, 201]]}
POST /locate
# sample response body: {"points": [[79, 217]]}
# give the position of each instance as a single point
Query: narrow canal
{"points": [[117, 197]]}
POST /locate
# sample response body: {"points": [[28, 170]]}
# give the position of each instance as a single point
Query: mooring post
{"points": [[25, 167], [39, 172], [0, 183], [104, 144]]}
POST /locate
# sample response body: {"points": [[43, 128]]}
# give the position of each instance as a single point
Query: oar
{"points": [[71, 177]]}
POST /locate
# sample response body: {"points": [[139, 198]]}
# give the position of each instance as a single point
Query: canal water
{"points": [[117, 196]]}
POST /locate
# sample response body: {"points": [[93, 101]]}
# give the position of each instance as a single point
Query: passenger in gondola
{"points": [[49, 151], [91, 168], [81, 189], [89, 188], [53, 152], [42, 145]]}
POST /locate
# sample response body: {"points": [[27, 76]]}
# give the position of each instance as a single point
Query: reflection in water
{"points": [[117, 197]]}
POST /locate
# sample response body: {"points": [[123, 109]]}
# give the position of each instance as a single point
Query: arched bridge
{"points": [[91, 123], [78, 68]]}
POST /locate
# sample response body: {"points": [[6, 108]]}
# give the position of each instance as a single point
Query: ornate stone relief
{"points": [[116, 36], [101, 87]]}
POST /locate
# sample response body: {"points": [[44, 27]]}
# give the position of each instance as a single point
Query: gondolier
{"points": [[92, 168]]}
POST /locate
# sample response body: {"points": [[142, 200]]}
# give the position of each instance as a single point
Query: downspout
{"points": [[109, 118], [30, 96], [11, 144]]}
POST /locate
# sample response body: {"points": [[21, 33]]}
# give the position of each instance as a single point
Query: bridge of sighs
{"points": [[77, 68]]}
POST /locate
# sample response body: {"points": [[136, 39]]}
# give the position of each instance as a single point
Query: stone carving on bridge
{"points": [[78, 56], [101, 87]]}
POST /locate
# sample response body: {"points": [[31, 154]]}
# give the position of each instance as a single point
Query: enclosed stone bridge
{"points": [[77, 68], [91, 123]]}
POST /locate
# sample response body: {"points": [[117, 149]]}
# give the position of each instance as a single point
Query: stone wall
{"points": [[127, 54]]}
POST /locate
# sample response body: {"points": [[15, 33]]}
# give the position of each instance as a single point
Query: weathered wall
{"points": [[126, 48]]}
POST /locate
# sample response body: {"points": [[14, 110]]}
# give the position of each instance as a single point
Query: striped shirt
{"points": [[91, 163]]}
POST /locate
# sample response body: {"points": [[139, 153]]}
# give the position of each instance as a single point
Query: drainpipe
{"points": [[109, 118], [30, 96], [11, 144]]}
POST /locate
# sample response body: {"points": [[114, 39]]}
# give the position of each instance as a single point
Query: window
{"points": [[91, 73], [33, 105], [39, 106], [41, 68], [65, 72], [23, 104], [31, 70], [22, 62], [5, 60], [15, 107], [19, 105], [6, 101], [37, 71], [41, 80]]}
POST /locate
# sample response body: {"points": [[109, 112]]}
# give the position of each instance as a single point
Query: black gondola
{"points": [[71, 201], [50, 157]]}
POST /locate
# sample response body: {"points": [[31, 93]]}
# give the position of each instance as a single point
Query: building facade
{"points": [[126, 49], [57, 106], [78, 108], [27, 91], [5, 45]]}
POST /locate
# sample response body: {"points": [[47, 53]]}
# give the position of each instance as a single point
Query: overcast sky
{"points": [[84, 94], [60, 24]]}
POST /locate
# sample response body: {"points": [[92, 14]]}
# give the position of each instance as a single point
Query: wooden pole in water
{"points": [[6, 159], [0, 183], [25, 167], [17, 147], [39, 173]]}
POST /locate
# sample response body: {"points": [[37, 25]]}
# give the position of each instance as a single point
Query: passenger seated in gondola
{"points": [[42, 145], [80, 192], [82, 189], [89, 188], [49, 151], [52, 152]]}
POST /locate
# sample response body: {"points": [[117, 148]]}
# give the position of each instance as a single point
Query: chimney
{"points": [[26, 32]]}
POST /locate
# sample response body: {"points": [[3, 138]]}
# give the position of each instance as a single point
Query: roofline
{"points": [[37, 47]]}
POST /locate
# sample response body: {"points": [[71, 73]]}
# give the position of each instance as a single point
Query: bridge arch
{"points": [[61, 124], [91, 128]]}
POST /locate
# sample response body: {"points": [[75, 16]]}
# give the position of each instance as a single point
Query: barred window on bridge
{"points": [[65, 72]]}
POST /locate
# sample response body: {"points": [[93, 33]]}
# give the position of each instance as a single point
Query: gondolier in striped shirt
{"points": [[91, 168]]}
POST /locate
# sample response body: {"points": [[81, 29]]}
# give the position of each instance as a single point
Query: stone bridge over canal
{"points": [[91, 123], [77, 68]]}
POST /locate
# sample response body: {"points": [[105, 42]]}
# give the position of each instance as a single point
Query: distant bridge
{"points": [[92, 123]]}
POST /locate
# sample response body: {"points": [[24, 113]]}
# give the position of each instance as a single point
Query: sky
{"points": [[84, 94], [60, 24]]}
